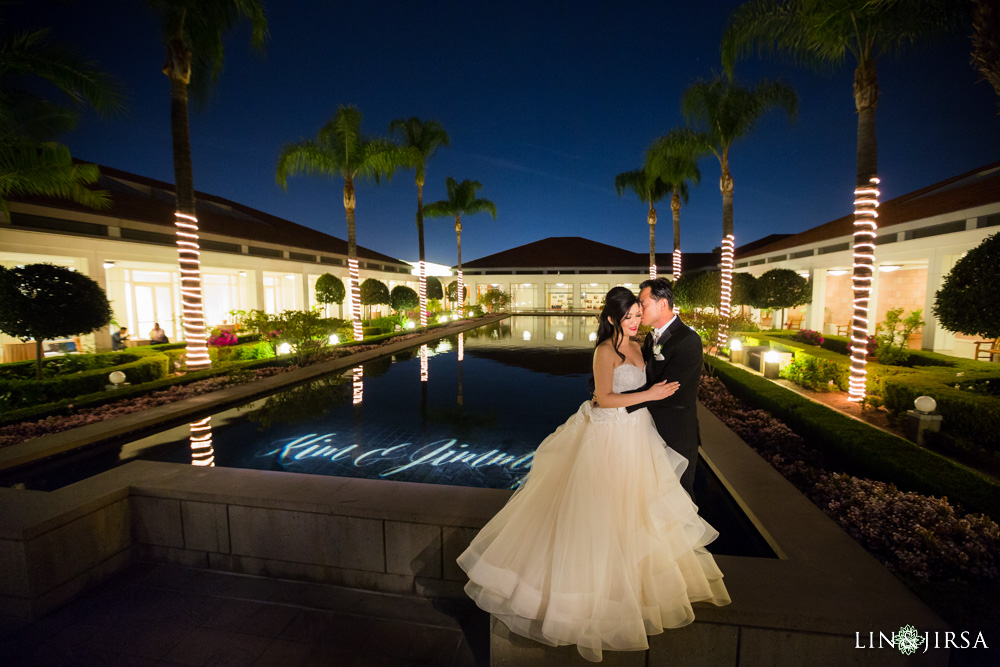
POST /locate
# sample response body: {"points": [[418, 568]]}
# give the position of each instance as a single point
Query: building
{"points": [[567, 273], [249, 259], [921, 235]]}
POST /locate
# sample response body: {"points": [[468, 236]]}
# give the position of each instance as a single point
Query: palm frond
{"points": [[48, 170], [481, 206], [461, 201], [674, 158], [811, 33], [424, 136], [31, 53], [306, 157]]}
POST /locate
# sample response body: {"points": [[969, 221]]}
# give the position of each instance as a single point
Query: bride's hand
{"points": [[661, 390]]}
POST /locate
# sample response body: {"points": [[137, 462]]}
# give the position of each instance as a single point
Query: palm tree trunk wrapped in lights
{"points": [[202, 452], [865, 205], [725, 301], [651, 219], [819, 34], [423, 137], [461, 201], [193, 315]]}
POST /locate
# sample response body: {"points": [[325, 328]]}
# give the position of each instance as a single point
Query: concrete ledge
{"points": [[801, 608]]}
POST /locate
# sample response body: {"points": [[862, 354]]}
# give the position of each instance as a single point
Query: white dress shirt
{"points": [[657, 332]]}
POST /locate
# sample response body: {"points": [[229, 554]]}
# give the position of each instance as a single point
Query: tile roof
{"points": [[148, 200], [575, 252], [974, 188]]}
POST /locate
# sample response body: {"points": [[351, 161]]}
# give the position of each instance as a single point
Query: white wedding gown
{"points": [[601, 546]]}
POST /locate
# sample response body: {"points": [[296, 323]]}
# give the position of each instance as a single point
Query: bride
{"points": [[601, 546]]}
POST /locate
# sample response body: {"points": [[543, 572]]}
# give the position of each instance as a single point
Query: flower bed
{"points": [[919, 536]]}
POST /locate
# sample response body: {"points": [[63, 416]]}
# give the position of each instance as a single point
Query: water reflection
{"points": [[521, 331], [359, 387], [202, 452]]}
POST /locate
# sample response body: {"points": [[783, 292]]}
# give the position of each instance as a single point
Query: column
{"points": [[935, 337], [258, 286], [816, 308], [306, 301]]}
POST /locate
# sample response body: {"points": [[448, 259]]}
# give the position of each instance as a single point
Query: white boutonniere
{"points": [[656, 352]]}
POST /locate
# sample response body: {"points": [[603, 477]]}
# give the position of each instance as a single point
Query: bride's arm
{"points": [[605, 360]]}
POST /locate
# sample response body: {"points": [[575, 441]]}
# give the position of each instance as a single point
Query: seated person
{"points": [[118, 339], [157, 335]]}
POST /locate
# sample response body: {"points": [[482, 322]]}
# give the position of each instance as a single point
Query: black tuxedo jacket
{"points": [[676, 416]]}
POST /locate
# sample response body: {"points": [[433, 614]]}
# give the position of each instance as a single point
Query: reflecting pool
{"points": [[468, 410]]}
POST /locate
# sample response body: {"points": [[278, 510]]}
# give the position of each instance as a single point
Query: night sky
{"points": [[544, 101]]}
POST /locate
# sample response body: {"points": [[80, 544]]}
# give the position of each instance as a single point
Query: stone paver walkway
{"points": [[167, 615]]}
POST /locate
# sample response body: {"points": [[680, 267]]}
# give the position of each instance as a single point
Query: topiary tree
{"points": [[744, 289], [373, 292], [697, 290], [778, 289], [403, 298], [453, 291], [330, 289], [44, 301], [434, 289], [967, 301]]}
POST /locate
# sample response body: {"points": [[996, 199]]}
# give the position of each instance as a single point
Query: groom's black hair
{"points": [[660, 288]]}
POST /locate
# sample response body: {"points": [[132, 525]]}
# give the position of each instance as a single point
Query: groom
{"points": [[672, 351]]}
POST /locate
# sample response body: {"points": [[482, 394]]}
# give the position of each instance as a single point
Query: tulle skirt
{"points": [[601, 546]]}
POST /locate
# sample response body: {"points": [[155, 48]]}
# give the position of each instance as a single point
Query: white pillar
{"points": [[258, 286], [306, 302], [935, 337], [816, 308]]}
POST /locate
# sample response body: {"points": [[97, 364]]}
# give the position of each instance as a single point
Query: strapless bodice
{"points": [[627, 377]]}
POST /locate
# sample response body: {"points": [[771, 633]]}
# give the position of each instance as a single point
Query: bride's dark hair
{"points": [[617, 303]]}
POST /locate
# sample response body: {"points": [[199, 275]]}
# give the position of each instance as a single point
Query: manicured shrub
{"points": [[861, 449], [816, 374], [923, 537], [967, 300], [403, 298], [330, 289], [809, 337]]}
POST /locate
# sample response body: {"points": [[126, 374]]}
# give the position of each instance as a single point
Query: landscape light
{"points": [[735, 344], [593, 336], [192, 310], [334, 339], [116, 378], [865, 203], [410, 324], [559, 335], [772, 356], [924, 404], [526, 335], [284, 348]]}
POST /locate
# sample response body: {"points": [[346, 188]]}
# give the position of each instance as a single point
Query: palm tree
{"points": [[425, 137], [674, 160], [31, 163], [650, 189], [727, 111], [193, 32], [341, 151], [821, 34], [461, 201]]}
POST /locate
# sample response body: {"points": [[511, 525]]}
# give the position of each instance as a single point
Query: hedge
{"points": [[972, 416], [139, 366], [863, 449]]}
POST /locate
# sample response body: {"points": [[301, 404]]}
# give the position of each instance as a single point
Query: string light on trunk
{"points": [[728, 244], [355, 295], [192, 310], [865, 213]]}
